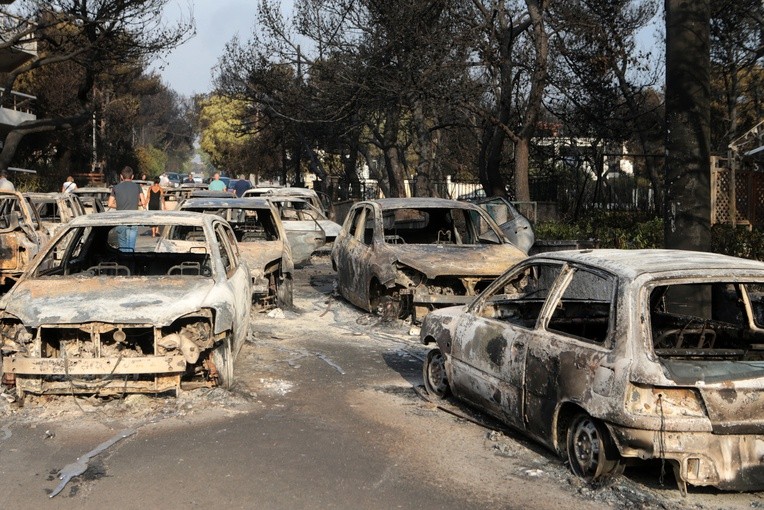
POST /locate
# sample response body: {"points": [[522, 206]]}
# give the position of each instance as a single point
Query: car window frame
{"points": [[561, 285], [476, 307]]}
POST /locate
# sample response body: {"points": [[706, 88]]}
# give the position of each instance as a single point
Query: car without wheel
{"points": [[56, 209], [407, 256], [262, 241], [608, 356], [22, 235], [94, 315]]}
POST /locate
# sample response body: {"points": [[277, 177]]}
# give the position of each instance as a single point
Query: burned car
{"points": [[298, 209], [95, 199], [21, 235], [262, 241], [410, 255], [108, 309], [515, 226], [55, 209], [609, 356], [302, 227]]}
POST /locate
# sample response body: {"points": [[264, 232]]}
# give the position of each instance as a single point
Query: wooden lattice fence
{"points": [[749, 197]]}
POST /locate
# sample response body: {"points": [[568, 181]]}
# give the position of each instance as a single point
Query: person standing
{"points": [[127, 196], [5, 184], [69, 185], [241, 185], [189, 179], [216, 184], [156, 202]]}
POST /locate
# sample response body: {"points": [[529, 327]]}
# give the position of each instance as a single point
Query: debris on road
{"points": [[329, 362], [79, 466]]}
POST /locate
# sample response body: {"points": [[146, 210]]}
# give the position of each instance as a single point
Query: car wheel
{"points": [[434, 374], [222, 357], [587, 446], [285, 293]]}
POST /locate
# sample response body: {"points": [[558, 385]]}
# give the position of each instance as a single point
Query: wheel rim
{"points": [[587, 448], [436, 373]]}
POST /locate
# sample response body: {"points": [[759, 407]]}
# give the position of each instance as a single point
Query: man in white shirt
{"points": [[5, 184]]}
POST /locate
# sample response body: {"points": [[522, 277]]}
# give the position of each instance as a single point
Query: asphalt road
{"points": [[323, 415]]}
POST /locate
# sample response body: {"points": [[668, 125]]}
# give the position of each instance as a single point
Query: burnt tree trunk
{"points": [[688, 170]]}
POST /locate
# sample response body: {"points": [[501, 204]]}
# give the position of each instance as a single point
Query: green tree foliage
{"points": [[151, 161], [223, 138]]}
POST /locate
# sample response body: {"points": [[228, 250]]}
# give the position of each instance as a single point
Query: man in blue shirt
{"points": [[127, 196], [241, 185]]}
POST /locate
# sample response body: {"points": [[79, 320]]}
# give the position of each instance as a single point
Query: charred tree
{"points": [[688, 193]]}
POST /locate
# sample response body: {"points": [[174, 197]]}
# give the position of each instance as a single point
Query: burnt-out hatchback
{"points": [[108, 309], [607, 356], [407, 256]]}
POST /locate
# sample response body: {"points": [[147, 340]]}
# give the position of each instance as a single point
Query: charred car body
{"points": [[21, 235], [94, 199], [607, 355], [55, 209], [302, 227], [95, 315], [410, 255], [262, 241]]}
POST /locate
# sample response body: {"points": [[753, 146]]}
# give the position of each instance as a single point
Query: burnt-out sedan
{"points": [[606, 356], [407, 256], [262, 241], [106, 308]]}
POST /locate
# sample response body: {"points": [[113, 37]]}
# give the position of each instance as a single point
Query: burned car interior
{"points": [[583, 311], [248, 224], [723, 321], [94, 251], [426, 226]]}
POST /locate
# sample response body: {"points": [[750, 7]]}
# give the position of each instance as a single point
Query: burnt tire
{"points": [[434, 374], [222, 357], [588, 445]]}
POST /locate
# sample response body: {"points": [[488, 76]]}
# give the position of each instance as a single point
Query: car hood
{"points": [[259, 254], [460, 260], [156, 300]]}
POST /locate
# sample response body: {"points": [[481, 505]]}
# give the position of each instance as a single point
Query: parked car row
{"points": [[603, 356], [108, 306]]}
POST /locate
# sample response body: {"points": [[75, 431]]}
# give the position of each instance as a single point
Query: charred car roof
{"points": [[630, 264]]}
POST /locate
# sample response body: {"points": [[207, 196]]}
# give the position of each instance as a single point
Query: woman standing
{"points": [[156, 202]]}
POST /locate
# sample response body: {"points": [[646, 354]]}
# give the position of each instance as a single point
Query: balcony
{"points": [[18, 108], [24, 47]]}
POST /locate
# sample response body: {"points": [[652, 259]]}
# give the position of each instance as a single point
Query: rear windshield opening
{"points": [[706, 321]]}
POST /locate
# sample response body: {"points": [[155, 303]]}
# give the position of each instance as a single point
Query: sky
{"points": [[188, 69]]}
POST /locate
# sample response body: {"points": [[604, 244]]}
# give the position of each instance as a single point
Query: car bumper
{"points": [[726, 461], [147, 374]]}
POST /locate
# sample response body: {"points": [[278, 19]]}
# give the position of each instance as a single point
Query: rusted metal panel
{"points": [[662, 352], [418, 253], [117, 386], [22, 365], [9, 251]]}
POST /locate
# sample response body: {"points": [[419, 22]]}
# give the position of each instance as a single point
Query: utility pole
{"points": [[688, 163]]}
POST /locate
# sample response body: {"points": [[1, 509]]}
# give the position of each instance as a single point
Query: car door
{"points": [[304, 233], [515, 226], [488, 357], [354, 257], [238, 282], [570, 362]]}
